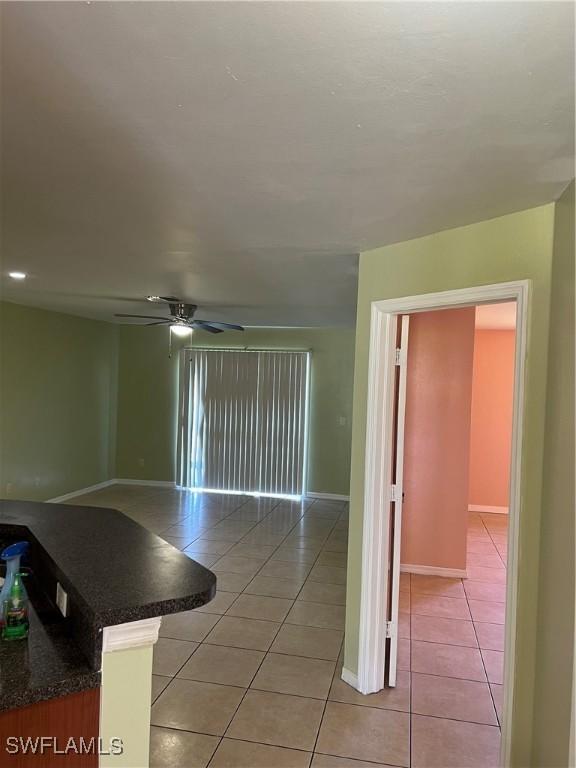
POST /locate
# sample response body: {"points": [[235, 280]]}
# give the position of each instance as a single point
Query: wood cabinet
{"points": [[74, 716]]}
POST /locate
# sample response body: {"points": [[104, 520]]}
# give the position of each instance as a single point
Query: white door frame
{"points": [[379, 434], [398, 502]]}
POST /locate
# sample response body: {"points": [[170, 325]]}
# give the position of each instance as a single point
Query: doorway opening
{"points": [[441, 513]]}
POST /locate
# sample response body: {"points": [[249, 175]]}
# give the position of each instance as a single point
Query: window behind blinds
{"points": [[243, 421]]}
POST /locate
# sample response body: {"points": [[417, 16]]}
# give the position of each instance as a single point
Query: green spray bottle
{"points": [[13, 597]]}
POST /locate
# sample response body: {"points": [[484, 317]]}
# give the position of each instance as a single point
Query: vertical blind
{"points": [[243, 420]]}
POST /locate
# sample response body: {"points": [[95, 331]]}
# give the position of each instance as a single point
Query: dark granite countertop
{"points": [[49, 664], [114, 571]]}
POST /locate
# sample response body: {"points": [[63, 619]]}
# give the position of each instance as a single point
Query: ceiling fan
{"points": [[181, 320]]}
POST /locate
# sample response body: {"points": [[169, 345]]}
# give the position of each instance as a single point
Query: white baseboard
{"points": [[81, 491], [108, 483], [485, 508], [349, 677], [169, 484], [432, 570], [153, 483], [327, 496], [172, 484]]}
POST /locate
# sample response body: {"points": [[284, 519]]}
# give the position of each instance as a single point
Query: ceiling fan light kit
{"points": [[181, 330], [181, 320]]}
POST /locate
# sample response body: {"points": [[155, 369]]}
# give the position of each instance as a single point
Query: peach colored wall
{"points": [[437, 438], [491, 430]]}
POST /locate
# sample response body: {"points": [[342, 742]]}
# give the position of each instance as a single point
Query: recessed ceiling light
{"points": [[17, 275]]}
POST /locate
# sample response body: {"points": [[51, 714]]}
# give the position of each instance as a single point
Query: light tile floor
{"points": [[252, 680]]}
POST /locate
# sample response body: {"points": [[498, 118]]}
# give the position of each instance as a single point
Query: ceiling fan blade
{"points": [[143, 317], [224, 326], [159, 322], [204, 326], [170, 299]]}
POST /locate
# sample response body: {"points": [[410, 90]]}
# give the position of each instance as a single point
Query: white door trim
{"points": [[375, 541], [376, 527], [397, 499]]}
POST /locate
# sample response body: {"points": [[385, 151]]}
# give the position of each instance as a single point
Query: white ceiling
{"points": [[241, 154], [496, 317]]}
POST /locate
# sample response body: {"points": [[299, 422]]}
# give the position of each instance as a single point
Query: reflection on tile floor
{"points": [[252, 680]]}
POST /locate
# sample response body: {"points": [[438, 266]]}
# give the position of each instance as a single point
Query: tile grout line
{"points": [[333, 701], [504, 562], [265, 656], [312, 658], [221, 737], [412, 673], [332, 528], [482, 655], [280, 624], [284, 622], [321, 721]]}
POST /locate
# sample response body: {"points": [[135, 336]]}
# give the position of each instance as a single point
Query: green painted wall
{"points": [[514, 247], [555, 638], [57, 402], [147, 401], [125, 698], [147, 398]]}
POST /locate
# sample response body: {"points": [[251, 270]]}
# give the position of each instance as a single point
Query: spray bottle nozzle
{"points": [[15, 550]]}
